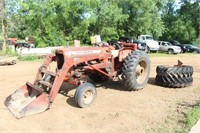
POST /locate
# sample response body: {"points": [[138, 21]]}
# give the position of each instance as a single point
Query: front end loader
{"points": [[73, 65]]}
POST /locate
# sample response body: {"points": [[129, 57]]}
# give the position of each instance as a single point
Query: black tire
{"points": [[170, 51], [117, 46], [174, 81], [85, 95], [195, 52], [155, 51], [97, 77], [183, 71], [148, 50], [135, 70]]}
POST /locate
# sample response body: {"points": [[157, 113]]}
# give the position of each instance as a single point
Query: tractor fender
{"points": [[123, 54]]}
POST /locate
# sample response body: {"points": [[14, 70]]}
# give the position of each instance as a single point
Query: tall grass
{"points": [[193, 116], [28, 58], [9, 52]]}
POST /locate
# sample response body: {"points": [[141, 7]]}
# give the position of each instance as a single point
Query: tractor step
{"points": [[49, 73], [35, 87], [45, 83]]}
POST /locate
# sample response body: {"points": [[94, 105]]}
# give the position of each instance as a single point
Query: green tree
{"points": [[181, 23], [52, 22], [144, 17], [4, 24], [189, 13], [106, 19]]}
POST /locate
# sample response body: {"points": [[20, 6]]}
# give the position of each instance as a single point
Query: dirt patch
{"points": [[114, 110]]}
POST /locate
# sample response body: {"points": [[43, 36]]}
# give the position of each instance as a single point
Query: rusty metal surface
{"points": [[27, 101], [36, 98]]}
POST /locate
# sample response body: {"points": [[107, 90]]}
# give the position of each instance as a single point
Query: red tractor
{"points": [[73, 65]]}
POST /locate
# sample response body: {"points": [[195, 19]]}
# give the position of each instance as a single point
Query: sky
{"points": [[177, 3]]}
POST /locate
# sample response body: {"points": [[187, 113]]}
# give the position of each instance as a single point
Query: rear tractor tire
{"points": [[135, 70], [85, 95]]}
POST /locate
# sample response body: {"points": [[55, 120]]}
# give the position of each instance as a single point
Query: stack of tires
{"points": [[174, 77]]}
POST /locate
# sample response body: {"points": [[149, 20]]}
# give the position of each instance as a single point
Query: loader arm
{"points": [[73, 64]]}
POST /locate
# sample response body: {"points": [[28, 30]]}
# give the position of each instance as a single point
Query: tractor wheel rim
{"points": [[139, 69], [88, 97], [141, 72]]}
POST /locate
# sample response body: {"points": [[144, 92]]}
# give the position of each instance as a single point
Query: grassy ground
{"points": [[28, 58], [193, 116], [168, 55], [181, 121]]}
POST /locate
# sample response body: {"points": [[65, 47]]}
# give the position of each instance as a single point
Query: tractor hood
{"points": [[84, 51]]}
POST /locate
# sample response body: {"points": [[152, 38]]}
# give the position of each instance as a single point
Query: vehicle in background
{"points": [[192, 49], [140, 45], [30, 40], [152, 45], [11, 41], [182, 46], [168, 47], [23, 45], [175, 42]]}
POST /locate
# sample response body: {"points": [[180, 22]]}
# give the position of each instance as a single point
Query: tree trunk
{"points": [[4, 26], [4, 34]]}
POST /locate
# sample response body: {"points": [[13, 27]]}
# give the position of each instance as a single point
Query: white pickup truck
{"points": [[150, 42]]}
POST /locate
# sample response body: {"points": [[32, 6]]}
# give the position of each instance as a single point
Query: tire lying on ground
{"points": [[184, 70], [174, 77]]}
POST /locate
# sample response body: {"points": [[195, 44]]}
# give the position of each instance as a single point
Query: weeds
{"points": [[9, 52], [28, 58], [193, 116], [198, 88], [180, 122]]}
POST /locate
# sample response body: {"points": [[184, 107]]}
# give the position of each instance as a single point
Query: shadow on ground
{"points": [[109, 84], [152, 81]]}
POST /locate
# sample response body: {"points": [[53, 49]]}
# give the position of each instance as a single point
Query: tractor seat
{"points": [[115, 53]]}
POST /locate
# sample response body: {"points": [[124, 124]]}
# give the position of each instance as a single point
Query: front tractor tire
{"points": [[136, 70], [85, 95]]}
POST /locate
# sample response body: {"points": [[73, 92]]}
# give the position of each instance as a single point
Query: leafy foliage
{"points": [[52, 23], [182, 24]]}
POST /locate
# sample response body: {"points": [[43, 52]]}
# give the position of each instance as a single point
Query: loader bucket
{"points": [[27, 100]]}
